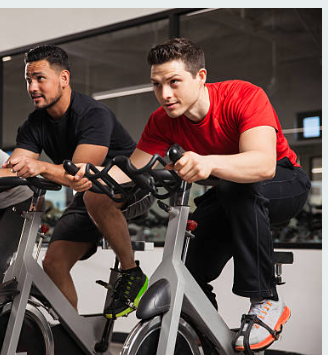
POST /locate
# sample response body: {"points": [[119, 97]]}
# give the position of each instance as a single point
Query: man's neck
{"points": [[201, 108], [58, 110]]}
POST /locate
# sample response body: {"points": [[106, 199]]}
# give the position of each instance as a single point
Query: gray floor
{"points": [[115, 348]]}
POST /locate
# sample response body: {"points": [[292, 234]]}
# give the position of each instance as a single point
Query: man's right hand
{"points": [[78, 182]]}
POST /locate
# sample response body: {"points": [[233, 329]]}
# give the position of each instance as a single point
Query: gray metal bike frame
{"points": [[84, 330], [186, 295]]}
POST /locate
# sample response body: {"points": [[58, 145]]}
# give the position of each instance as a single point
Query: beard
{"points": [[49, 102]]}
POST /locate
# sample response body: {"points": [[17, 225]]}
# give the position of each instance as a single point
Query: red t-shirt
{"points": [[235, 106]]}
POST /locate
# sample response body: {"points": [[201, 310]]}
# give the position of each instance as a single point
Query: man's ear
{"points": [[65, 77], [202, 75]]}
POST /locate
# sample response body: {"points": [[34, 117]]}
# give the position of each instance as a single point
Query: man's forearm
{"points": [[247, 167], [54, 173]]}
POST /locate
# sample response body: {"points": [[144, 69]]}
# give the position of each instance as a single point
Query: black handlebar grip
{"points": [[175, 152], [70, 167]]}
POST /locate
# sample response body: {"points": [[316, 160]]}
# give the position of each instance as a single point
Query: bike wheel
{"points": [[143, 339], [35, 337]]}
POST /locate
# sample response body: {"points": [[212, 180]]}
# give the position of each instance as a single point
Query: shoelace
{"points": [[260, 310], [122, 286]]}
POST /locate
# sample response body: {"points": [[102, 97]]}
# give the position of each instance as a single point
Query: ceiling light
{"points": [[131, 90], [316, 170], [6, 59]]}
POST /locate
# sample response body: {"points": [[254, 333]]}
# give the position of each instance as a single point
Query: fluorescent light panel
{"points": [[201, 11], [6, 59], [131, 90]]}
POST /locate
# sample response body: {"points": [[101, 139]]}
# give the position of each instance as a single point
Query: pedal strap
{"points": [[249, 320]]}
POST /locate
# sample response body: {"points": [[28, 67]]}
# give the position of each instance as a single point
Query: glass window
{"points": [[16, 102], [109, 62], [279, 50], [114, 60]]}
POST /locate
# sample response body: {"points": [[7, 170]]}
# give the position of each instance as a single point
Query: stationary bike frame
{"points": [[25, 270], [172, 290], [175, 291]]}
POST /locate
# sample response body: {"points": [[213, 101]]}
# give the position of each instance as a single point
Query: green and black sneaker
{"points": [[127, 291]]}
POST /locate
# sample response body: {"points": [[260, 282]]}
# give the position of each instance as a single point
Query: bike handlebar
{"points": [[145, 178], [175, 153]]}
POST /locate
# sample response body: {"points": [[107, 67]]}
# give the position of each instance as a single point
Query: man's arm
{"points": [[6, 172], [255, 162], [26, 164]]}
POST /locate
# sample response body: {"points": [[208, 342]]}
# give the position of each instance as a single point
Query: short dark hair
{"points": [[178, 49], [54, 55]]}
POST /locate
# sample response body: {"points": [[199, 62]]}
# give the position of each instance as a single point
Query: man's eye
{"points": [[156, 85]]}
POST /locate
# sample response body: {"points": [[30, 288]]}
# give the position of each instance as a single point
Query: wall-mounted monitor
{"points": [[310, 123]]}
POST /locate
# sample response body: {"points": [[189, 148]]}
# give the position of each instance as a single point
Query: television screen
{"points": [[310, 124]]}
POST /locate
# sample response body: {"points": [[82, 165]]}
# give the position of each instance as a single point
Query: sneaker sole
{"points": [[270, 339], [135, 303]]}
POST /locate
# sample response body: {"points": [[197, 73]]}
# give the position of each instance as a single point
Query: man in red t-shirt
{"points": [[229, 130]]}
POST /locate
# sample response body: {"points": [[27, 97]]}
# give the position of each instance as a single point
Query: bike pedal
{"points": [[104, 284]]}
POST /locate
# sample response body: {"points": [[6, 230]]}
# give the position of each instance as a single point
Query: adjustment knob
{"points": [[191, 225]]}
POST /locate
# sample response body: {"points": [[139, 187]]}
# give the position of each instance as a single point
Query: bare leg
{"points": [[112, 224], [58, 262]]}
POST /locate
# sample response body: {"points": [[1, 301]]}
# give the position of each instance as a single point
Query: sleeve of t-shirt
{"points": [[28, 137], [153, 139], [254, 109], [96, 127]]}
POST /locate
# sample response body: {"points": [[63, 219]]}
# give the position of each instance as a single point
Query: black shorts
{"points": [[75, 225]]}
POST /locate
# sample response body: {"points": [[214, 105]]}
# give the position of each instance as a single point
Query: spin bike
{"points": [[176, 316], [35, 317]]}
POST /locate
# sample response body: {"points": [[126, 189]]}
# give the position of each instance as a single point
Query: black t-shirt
{"points": [[86, 121]]}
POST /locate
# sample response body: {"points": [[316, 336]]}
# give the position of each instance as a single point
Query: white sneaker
{"points": [[274, 314]]}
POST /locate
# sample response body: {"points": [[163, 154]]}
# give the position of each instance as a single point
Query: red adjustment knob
{"points": [[44, 228], [191, 225]]}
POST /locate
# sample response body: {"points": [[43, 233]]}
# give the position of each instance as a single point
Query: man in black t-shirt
{"points": [[69, 125]]}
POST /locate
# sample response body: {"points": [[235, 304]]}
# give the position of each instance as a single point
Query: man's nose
{"points": [[166, 92], [33, 86]]}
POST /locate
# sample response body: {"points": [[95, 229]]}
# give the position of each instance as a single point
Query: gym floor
{"points": [[116, 348]]}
